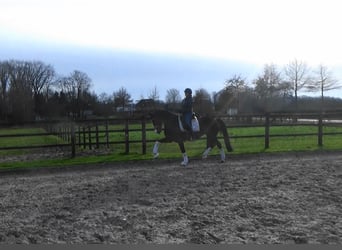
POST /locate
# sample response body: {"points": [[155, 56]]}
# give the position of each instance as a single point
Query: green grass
{"points": [[25, 140], [170, 150]]}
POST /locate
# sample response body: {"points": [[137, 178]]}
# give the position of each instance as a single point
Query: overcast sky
{"points": [[207, 37]]}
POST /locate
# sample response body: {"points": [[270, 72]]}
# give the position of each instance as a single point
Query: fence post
{"points": [[73, 141], [58, 131], [267, 131], [65, 131], [107, 134], [89, 136], [97, 135], [126, 137], [320, 130], [143, 135], [79, 135], [68, 133], [84, 137]]}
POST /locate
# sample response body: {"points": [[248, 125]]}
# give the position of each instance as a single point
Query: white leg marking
{"points": [[155, 149], [185, 160], [205, 153], [223, 155]]}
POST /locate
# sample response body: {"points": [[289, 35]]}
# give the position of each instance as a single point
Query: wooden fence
{"points": [[87, 134], [91, 134]]}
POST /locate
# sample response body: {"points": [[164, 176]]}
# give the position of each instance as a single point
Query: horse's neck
{"points": [[174, 113], [167, 115]]}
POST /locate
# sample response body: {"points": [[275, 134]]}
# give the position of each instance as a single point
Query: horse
{"points": [[173, 132]]}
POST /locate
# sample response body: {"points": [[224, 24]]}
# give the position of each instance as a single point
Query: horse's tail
{"points": [[223, 129]]}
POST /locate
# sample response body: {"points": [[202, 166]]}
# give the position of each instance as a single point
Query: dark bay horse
{"points": [[208, 126]]}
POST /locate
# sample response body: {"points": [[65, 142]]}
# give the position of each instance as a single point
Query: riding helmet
{"points": [[188, 91]]}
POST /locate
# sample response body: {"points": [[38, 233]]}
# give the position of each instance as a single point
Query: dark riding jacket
{"points": [[187, 111], [187, 104]]}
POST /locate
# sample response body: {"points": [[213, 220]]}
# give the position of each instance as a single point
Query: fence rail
{"points": [[95, 133]]}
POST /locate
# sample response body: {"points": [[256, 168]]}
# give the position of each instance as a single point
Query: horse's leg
{"points": [[222, 153], [210, 146], [206, 153], [185, 156], [156, 149], [211, 143]]}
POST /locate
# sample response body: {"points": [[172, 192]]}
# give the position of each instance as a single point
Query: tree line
{"points": [[32, 90]]}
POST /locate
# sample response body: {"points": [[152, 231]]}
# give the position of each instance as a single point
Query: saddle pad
{"points": [[180, 124]]}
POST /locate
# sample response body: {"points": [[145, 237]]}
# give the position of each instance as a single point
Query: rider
{"points": [[187, 109]]}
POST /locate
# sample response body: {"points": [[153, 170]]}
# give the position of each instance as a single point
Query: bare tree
{"points": [[104, 105], [4, 84], [173, 99], [154, 94], [76, 88], [26, 80], [234, 86], [4, 77], [297, 73], [104, 98], [41, 75], [236, 82], [268, 86], [173, 96], [224, 100], [20, 95], [19, 72], [81, 81], [122, 98], [202, 102], [324, 81]]}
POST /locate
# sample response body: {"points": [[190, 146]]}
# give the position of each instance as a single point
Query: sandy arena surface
{"points": [[281, 198]]}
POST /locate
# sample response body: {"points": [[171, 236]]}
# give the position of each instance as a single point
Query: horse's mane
{"points": [[164, 113]]}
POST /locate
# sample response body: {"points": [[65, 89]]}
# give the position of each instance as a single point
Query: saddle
{"points": [[194, 123]]}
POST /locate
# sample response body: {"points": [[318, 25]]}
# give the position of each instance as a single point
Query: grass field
{"points": [[255, 145]]}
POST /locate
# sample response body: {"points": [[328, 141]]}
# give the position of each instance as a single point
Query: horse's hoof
{"points": [[155, 156]]}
